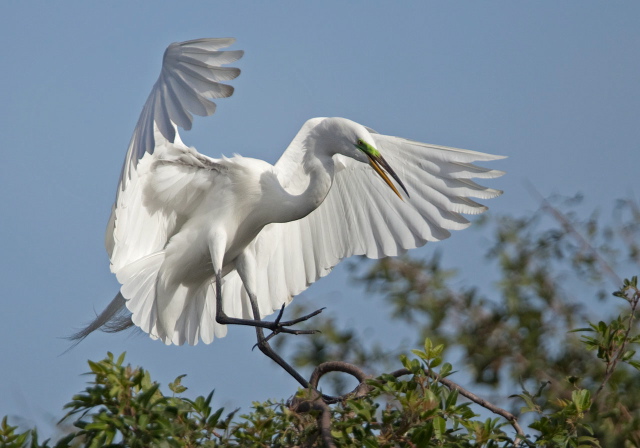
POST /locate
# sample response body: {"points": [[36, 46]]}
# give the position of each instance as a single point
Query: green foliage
{"points": [[548, 333], [9, 438], [122, 406], [563, 423], [551, 271]]}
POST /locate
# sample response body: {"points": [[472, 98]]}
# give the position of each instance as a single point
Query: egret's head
{"points": [[346, 137]]}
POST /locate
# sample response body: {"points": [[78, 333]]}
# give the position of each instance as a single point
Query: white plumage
{"points": [[180, 216]]}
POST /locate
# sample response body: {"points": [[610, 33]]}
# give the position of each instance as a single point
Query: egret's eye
{"points": [[360, 142]]}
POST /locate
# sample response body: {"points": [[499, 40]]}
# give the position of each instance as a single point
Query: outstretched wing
{"points": [[191, 77], [362, 216]]}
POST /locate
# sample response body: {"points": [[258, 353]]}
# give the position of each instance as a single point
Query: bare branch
{"points": [[571, 230], [611, 366], [316, 401], [339, 366]]}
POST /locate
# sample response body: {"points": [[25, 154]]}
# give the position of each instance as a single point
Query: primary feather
{"points": [[174, 203]]}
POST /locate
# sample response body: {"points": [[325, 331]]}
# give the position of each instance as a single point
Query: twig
{"points": [[620, 352], [570, 228]]}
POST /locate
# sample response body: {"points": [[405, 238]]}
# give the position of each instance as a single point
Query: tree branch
{"points": [[611, 366], [571, 230], [316, 401]]}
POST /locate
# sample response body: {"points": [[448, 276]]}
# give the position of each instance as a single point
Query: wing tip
{"points": [[494, 174], [217, 42]]}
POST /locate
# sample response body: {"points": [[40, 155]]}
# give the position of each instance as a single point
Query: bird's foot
{"points": [[278, 327], [288, 323]]}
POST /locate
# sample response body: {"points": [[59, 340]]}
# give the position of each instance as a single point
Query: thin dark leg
{"points": [[265, 348], [276, 326]]}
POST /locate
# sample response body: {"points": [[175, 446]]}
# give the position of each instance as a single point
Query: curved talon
{"points": [[287, 331], [277, 321], [302, 319], [278, 327]]}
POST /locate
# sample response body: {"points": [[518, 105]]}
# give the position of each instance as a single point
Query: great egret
{"points": [[198, 243]]}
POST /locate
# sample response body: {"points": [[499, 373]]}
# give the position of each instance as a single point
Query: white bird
{"points": [[198, 243]]}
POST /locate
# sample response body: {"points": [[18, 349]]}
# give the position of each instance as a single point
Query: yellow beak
{"points": [[380, 165]]}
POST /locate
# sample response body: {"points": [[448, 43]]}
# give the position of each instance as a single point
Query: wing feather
{"points": [[362, 216], [189, 80]]}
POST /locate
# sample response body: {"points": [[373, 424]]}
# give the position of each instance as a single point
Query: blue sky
{"points": [[552, 85]]}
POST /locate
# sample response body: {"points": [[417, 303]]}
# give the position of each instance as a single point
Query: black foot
{"points": [[278, 327]]}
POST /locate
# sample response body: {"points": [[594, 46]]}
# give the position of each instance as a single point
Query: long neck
{"points": [[305, 182]]}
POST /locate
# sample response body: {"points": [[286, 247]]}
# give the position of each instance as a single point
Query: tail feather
{"points": [[175, 313], [115, 317]]}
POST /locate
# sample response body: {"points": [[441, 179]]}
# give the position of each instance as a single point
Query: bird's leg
{"points": [[275, 326], [246, 267], [263, 344], [217, 243], [221, 316]]}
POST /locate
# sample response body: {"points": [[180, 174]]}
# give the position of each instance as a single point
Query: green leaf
{"points": [[427, 345], [451, 400], [581, 329], [602, 327], [634, 364], [419, 354], [446, 369], [176, 387], [95, 367], [581, 399], [209, 397], [439, 427], [628, 355], [146, 396], [422, 436], [213, 420], [97, 426]]}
